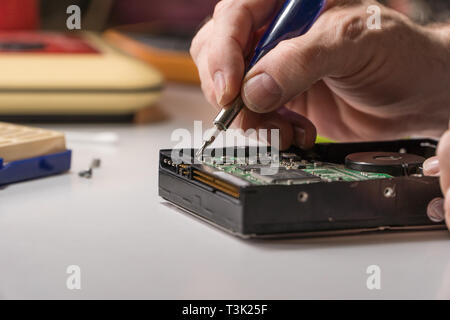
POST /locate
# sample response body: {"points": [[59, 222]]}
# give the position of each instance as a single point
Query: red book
{"points": [[19, 14]]}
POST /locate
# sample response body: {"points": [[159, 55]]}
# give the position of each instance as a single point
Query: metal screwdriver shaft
{"points": [[222, 122]]}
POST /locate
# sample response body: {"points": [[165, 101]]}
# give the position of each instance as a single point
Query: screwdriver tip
{"points": [[199, 154], [206, 143]]}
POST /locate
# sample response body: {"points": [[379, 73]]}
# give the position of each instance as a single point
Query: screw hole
{"points": [[302, 197], [389, 192]]}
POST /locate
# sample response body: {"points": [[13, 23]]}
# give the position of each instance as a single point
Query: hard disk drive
{"points": [[335, 188]]}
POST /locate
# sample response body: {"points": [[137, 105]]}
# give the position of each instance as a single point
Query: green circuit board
{"points": [[290, 171]]}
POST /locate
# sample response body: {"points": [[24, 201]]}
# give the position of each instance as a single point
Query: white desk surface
{"points": [[130, 244]]}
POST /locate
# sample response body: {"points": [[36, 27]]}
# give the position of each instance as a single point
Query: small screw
{"points": [[86, 173], [95, 163]]}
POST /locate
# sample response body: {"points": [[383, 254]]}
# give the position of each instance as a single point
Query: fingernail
{"points": [[219, 86], [261, 93], [435, 210], [431, 166]]}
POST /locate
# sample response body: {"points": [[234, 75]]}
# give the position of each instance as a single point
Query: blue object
{"points": [[37, 167], [295, 18]]}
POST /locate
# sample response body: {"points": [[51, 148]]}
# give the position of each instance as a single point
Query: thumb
{"points": [[431, 166], [334, 46]]}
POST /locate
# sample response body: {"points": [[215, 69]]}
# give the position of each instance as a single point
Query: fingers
{"points": [[444, 162], [334, 46], [431, 167], [206, 82], [440, 165], [439, 208], [447, 208], [443, 154], [291, 68], [293, 128], [285, 72], [305, 132], [234, 23]]}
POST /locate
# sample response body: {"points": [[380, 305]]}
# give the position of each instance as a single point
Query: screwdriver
{"points": [[295, 18]]}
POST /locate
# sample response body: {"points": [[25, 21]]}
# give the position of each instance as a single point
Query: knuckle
{"points": [[193, 49], [238, 8], [312, 54], [298, 57], [195, 46], [222, 6], [352, 28], [303, 58], [349, 25], [199, 39]]}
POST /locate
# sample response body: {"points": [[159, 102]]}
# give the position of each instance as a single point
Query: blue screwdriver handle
{"points": [[295, 18]]}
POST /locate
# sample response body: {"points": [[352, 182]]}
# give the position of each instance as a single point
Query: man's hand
{"points": [[439, 208], [353, 83]]}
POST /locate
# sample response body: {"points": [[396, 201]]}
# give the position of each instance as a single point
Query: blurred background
{"points": [[101, 14]]}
